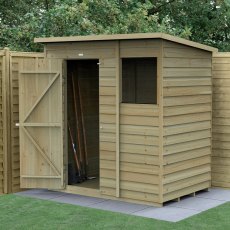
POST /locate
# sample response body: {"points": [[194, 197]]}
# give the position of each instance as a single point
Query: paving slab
{"points": [[119, 206], [41, 194], [172, 211], [196, 203], [215, 194], [78, 200], [172, 214]]}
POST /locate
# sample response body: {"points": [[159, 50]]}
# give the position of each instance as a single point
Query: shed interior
{"points": [[83, 122]]}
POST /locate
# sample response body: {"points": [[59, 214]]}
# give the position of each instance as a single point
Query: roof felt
{"points": [[125, 37]]}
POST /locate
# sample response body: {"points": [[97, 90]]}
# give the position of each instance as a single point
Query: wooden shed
{"points": [[221, 120], [10, 63], [131, 113]]}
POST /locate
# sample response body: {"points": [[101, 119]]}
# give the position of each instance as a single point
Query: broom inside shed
{"points": [[80, 126], [77, 116], [84, 133], [75, 155]]}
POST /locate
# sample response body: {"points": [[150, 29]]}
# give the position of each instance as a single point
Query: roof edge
{"points": [[111, 37]]}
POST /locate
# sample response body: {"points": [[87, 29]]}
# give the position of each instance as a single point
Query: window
{"points": [[139, 80]]}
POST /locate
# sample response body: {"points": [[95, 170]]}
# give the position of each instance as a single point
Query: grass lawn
{"points": [[27, 213]]}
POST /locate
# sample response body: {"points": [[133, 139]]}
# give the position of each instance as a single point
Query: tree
{"points": [[204, 21]]}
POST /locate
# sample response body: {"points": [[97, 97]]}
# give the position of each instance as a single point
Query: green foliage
{"points": [[206, 22], [202, 21]]}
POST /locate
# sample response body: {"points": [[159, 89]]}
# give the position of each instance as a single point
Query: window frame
{"points": [[144, 55]]}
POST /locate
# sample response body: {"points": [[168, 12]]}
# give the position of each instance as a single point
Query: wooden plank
{"points": [[139, 52], [222, 67], [187, 100], [187, 118], [139, 120], [187, 72], [107, 146], [221, 121], [140, 149], [220, 153], [221, 178], [107, 183], [181, 147], [7, 170], [221, 129], [139, 130], [220, 184], [140, 110], [220, 90], [186, 91], [145, 43], [107, 91], [107, 81], [139, 187], [77, 53], [185, 53], [81, 45], [107, 128], [107, 100], [177, 176], [139, 139], [188, 164], [107, 173], [221, 97], [107, 62], [221, 145], [185, 128], [221, 82], [107, 72], [139, 178], [187, 62], [178, 185], [186, 191], [185, 137], [186, 109], [118, 99], [139, 158], [142, 196], [177, 82], [139, 168], [221, 161], [108, 118], [220, 74], [107, 155], [107, 164], [108, 137]]}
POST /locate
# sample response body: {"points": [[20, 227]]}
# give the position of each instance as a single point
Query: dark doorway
{"points": [[83, 122]]}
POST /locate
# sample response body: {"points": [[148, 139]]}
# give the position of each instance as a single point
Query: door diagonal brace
{"points": [[41, 151], [41, 96]]}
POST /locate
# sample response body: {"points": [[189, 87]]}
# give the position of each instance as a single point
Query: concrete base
{"points": [[172, 211]]}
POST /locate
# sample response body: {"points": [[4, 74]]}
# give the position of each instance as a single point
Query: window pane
{"points": [[139, 80], [128, 80]]}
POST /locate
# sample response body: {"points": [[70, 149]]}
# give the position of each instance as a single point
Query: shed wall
{"points": [[221, 122], [139, 133], [187, 113], [136, 136], [139, 152]]}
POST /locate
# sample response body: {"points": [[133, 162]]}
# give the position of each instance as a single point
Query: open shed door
{"points": [[41, 125]]}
